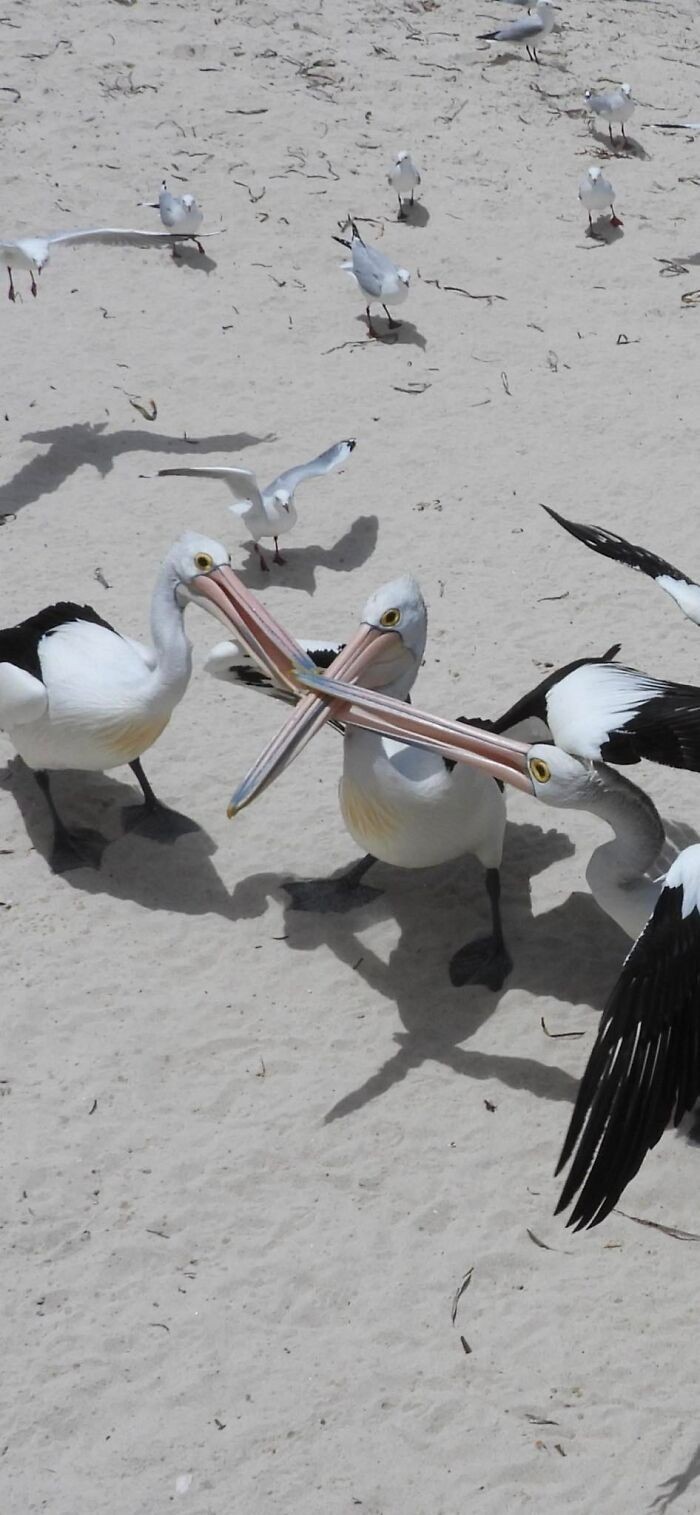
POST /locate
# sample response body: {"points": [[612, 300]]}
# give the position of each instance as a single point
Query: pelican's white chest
{"points": [[106, 702], [404, 806]]}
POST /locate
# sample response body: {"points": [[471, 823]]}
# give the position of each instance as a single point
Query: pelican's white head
{"points": [[396, 611], [191, 557], [557, 778]]}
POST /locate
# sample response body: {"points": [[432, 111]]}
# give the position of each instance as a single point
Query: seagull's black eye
{"points": [[390, 618], [203, 562], [540, 770]]}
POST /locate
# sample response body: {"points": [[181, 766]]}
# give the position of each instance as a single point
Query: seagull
{"points": [[179, 213], [612, 105], [76, 694], [645, 1065], [268, 512], [376, 276], [596, 193], [404, 177], [403, 807], [528, 31], [33, 253], [672, 580]]}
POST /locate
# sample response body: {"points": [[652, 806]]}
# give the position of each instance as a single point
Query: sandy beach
{"points": [[249, 1153]]}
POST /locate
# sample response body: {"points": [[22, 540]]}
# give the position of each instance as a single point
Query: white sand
{"points": [[228, 1292]]}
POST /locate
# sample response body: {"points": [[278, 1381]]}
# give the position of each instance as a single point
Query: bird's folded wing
{"points": [[370, 268], [524, 29], [331, 458], [612, 546], [532, 708], [22, 697], [125, 237], [645, 1065], [242, 483]]}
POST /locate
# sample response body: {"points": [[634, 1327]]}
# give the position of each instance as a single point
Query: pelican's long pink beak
{"points": [[372, 655], [264, 638], [498, 756]]}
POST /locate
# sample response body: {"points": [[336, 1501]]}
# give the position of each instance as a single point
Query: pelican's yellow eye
{"points": [[540, 770], [390, 618], [203, 562]]}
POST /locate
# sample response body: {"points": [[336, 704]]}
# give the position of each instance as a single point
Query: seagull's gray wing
{"points": [[369, 267], [117, 236], [242, 483], [331, 458], [525, 29]]}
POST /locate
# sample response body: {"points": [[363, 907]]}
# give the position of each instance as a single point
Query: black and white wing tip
{"points": [[644, 1069], [611, 546]]}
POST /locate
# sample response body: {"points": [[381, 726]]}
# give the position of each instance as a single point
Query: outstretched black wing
{"points": [[612, 546], [645, 1065], [534, 704]]}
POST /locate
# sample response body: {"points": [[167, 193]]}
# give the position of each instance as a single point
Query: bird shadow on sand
{"points": [[188, 257], [572, 953], [678, 1484], [602, 234], [91, 445], [176, 876], [416, 215], [404, 335], [620, 147], [300, 565]]}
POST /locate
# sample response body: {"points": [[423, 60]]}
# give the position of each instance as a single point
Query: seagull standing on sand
{"points": [[179, 213], [672, 580], [33, 253], [528, 31], [376, 277], [404, 178], [76, 694], [612, 105], [268, 512], [597, 194]]}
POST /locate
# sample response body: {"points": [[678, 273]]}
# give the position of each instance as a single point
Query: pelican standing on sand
{"points": [[268, 512], [645, 1065], [404, 807], [75, 694]]}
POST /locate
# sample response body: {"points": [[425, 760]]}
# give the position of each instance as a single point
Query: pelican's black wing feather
{"points": [[612, 546], [645, 1066]]}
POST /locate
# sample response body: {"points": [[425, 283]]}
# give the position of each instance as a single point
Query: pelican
{"points": [[401, 806], [672, 580], [600, 709], [75, 694], [268, 512], [645, 1065]]}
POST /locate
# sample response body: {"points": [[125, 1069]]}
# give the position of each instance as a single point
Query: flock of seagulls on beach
{"points": [[416, 789]]}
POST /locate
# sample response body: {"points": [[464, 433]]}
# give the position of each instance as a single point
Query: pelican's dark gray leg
{"points": [[153, 818], [486, 960], [71, 849], [334, 896]]}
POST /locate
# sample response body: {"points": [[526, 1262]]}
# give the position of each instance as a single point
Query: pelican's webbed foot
{"points": [[333, 896]]}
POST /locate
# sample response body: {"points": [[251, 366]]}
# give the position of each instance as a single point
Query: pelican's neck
{"points": [[168, 633], [618, 872]]}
